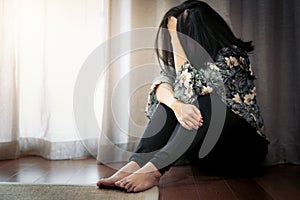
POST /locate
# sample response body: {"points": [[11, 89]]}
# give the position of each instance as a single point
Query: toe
{"points": [[100, 182], [131, 188], [136, 189], [127, 186], [118, 183], [123, 184]]}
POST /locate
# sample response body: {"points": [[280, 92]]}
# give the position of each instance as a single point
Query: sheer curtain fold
{"points": [[8, 91], [43, 45]]}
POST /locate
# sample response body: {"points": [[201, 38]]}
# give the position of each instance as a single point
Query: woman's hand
{"points": [[188, 115], [172, 23]]}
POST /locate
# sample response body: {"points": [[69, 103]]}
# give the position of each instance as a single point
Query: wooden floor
{"points": [[184, 182]]}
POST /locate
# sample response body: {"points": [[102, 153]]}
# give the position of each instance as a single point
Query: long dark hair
{"points": [[197, 20]]}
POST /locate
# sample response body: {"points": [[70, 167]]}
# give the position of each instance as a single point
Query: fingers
{"points": [[199, 116], [189, 116], [185, 125], [190, 125], [194, 123], [172, 21], [194, 118]]}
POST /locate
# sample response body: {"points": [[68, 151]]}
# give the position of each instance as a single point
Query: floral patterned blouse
{"points": [[230, 76]]}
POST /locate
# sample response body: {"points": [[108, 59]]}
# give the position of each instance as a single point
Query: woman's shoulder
{"points": [[231, 51], [232, 56]]}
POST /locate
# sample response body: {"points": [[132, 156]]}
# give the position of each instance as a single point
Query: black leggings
{"points": [[165, 141]]}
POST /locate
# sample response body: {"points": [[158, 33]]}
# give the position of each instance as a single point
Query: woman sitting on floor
{"points": [[179, 104]]}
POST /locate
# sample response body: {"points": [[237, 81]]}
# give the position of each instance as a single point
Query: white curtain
{"points": [[43, 45]]}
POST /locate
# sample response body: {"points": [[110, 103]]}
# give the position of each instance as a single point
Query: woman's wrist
{"points": [[174, 104]]}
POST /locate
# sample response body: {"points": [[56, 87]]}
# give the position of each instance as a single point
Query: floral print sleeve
{"points": [[152, 99], [191, 82]]}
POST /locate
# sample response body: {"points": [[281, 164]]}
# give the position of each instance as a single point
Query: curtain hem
{"points": [[47, 149]]}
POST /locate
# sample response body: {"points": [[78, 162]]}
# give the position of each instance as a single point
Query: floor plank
{"points": [[91, 173], [178, 183], [212, 187], [247, 189], [15, 167], [281, 182], [60, 172]]}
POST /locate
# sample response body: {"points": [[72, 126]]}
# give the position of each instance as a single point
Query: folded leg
{"points": [[156, 135], [172, 141]]}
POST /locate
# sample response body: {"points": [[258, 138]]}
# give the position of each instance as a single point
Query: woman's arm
{"points": [[165, 94], [188, 115], [179, 54]]}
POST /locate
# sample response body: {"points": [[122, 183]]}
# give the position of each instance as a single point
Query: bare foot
{"points": [[128, 169], [143, 179]]}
